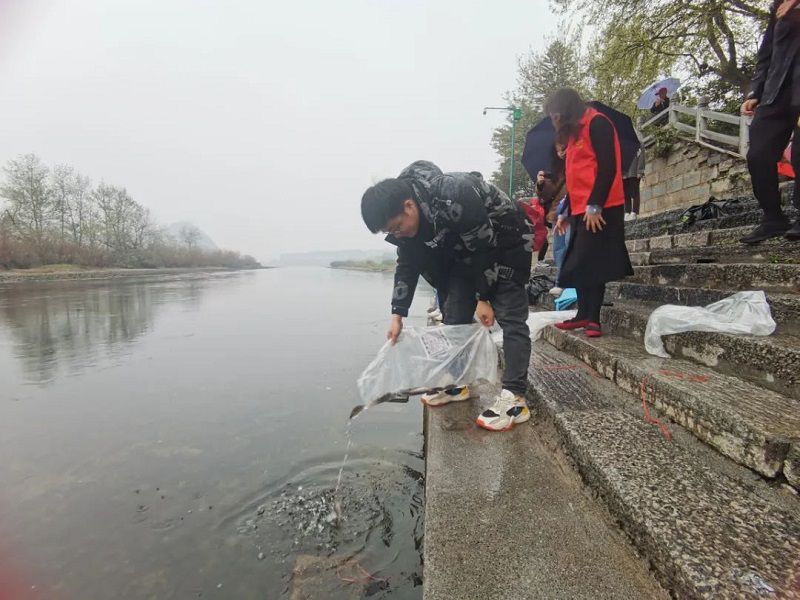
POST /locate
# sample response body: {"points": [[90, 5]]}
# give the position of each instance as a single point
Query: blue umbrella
{"points": [[539, 151]]}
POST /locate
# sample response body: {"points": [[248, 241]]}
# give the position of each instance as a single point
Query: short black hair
{"points": [[384, 201]]}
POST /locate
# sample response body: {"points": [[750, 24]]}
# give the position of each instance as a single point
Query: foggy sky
{"points": [[260, 122]]}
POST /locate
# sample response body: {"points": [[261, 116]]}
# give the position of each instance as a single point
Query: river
{"points": [[180, 437]]}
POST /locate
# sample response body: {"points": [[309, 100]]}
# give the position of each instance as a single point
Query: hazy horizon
{"points": [[261, 125]]}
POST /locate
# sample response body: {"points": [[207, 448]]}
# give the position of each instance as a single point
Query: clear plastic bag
{"points": [[537, 321], [744, 313], [431, 357]]}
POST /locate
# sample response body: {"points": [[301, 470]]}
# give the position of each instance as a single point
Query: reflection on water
{"points": [[53, 327], [181, 438]]}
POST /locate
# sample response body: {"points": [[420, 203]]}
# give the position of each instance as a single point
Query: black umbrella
{"points": [[539, 151], [540, 148]]}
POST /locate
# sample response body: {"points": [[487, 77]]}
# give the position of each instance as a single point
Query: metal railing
{"points": [[702, 130]]}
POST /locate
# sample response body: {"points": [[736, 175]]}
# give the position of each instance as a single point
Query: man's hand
{"points": [[540, 177], [485, 313], [562, 226], [395, 328], [749, 107], [785, 7], [594, 223]]}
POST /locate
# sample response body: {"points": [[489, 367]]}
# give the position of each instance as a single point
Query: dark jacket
{"points": [[777, 60], [658, 108], [465, 224]]}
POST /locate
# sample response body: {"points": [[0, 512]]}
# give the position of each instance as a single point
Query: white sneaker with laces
{"points": [[446, 397], [628, 217], [508, 410], [542, 263], [555, 291], [436, 315]]}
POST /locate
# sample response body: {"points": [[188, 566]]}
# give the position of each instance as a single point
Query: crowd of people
{"points": [[475, 245]]}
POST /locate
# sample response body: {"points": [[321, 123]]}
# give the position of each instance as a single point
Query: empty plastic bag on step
{"points": [[431, 357], [744, 313]]}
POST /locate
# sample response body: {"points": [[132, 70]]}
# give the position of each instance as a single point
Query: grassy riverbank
{"points": [[386, 266], [69, 272]]}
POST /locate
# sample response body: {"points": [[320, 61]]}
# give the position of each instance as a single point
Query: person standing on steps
{"points": [[775, 101], [474, 245], [631, 182], [596, 253], [662, 102]]}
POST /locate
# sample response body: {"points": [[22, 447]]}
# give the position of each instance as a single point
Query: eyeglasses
{"points": [[394, 229]]}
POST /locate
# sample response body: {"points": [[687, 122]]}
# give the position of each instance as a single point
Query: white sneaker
{"points": [[542, 263], [633, 216], [628, 217], [508, 410], [446, 397], [555, 292], [436, 315]]}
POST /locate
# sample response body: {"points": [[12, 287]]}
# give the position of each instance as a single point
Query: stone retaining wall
{"points": [[690, 175]]}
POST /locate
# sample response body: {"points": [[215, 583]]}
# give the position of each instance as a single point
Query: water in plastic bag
{"points": [[744, 313], [430, 358]]}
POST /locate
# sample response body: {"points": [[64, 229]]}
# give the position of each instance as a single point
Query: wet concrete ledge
{"points": [[507, 518]]}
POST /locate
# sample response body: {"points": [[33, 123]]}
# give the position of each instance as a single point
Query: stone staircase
{"points": [[697, 457]]}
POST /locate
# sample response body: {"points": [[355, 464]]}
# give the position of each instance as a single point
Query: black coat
{"points": [[778, 59], [465, 222]]}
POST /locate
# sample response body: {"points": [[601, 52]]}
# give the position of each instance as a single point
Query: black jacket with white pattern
{"points": [[466, 224]]}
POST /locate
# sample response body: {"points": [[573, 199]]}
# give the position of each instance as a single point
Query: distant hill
{"points": [[323, 258], [178, 232]]}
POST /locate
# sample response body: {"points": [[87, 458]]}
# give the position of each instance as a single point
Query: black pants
{"points": [[590, 301], [769, 133], [543, 250], [510, 306], [632, 194]]}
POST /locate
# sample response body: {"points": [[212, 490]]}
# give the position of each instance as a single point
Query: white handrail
{"points": [[734, 145]]}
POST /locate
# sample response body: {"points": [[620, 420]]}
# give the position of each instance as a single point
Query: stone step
{"points": [[716, 246], [749, 424], [707, 529], [772, 362], [787, 253], [737, 276], [506, 517], [785, 306], [746, 213]]}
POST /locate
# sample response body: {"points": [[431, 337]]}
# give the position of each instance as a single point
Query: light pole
{"points": [[516, 115]]}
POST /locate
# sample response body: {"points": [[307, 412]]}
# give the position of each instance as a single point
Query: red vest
{"points": [[581, 167]]}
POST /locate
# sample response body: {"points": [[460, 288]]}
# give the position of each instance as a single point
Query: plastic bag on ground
{"points": [[744, 313], [431, 357], [537, 321]]}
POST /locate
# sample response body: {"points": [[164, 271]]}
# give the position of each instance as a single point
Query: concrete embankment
{"points": [[506, 517]]}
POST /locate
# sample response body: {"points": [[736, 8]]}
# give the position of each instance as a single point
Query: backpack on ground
{"points": [[538, 285]]}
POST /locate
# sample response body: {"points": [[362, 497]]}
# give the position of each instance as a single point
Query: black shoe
{"points": [[765, 231], [794, 233]]}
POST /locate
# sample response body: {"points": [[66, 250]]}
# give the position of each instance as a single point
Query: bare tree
{"points": [[70, 203], [189, 236], [30, 198]]}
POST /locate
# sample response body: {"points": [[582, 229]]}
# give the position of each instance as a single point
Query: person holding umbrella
{"points": [[656, 96], [775, 100], [661, 102], [596, 253]]}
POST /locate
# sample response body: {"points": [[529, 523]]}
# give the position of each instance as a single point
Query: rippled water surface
{"points": [[182, 437]]}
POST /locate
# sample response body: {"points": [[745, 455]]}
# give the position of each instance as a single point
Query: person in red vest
{"points": [[535, 214], [596, 252]]}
